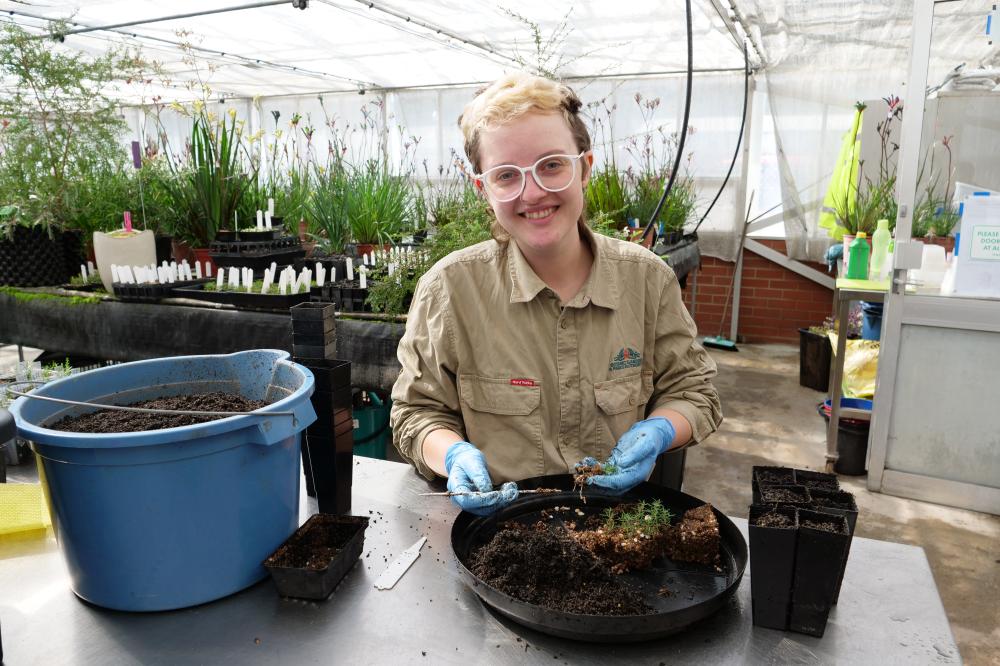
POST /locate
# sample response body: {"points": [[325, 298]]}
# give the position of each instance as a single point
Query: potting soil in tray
{"points": [[113, 420], [549, 568], [676, 593], [315, 548]]}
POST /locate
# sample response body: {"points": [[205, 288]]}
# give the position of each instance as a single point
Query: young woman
{"points": [[549, 344]]}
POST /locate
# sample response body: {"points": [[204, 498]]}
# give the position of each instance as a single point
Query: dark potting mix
{"points": [[114, 420], [560, 567], [315, 548]]}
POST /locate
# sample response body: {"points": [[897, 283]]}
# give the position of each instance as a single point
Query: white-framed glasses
{"points": [[552, 173]]}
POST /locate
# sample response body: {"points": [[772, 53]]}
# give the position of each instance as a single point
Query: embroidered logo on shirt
{"points": [[626, 358], [523, 382]]}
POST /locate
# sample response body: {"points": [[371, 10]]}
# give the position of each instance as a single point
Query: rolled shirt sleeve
{"points": [[683, 369], [425, 395]]}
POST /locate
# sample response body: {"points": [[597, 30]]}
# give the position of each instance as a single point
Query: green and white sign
{"points": [[985, 242]]}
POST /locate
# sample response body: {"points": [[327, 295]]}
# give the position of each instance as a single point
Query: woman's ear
{"points": [[586, 166]]}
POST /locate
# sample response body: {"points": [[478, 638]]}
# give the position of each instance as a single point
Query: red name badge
{"points": [[523, 382]]}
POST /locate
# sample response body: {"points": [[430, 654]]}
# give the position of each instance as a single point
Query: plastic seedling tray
{"points": [[312, 312], [772, 564], [242, 299], [327, 546], [226, 236], [147, 293]]}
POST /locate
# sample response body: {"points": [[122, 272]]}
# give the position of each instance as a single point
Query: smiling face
{"points": [[542, 223]]}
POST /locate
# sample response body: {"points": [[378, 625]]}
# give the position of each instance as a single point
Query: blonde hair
{"points": [[512, 96], [507, 99]]}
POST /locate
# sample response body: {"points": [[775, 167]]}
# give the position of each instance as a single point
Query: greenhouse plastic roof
{"points": [[344, 45]]}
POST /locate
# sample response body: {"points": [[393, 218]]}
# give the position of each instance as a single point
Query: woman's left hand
{"points": [[635, 455]]}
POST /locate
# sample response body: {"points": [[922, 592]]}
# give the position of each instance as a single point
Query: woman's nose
{"points": [[532, 191]]}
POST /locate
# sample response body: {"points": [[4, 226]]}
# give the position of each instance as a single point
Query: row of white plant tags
{"points": [[243, 278]]}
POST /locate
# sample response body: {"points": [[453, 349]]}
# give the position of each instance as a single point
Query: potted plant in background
{"points": [[379, 205], [58, 124]]}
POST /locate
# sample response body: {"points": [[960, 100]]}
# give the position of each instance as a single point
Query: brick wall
{"points": [[774, 301]]}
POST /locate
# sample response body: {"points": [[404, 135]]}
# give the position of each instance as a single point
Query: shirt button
{"points": [[631, 401], [569, 382], [562, 324]]}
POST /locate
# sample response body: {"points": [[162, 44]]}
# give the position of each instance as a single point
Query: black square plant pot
{"points": [[311, 311], [772, 564], [327, 350], [330, 374], [331, 462], [841, 504], [770, 476], [790, 495], [819, 559], [314, 326], [310, 563], [817, 480], [313, 339]]}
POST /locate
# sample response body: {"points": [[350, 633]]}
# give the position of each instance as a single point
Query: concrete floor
{"points": [[771, 420]]}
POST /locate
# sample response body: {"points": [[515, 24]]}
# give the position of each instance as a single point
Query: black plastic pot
{"points": [[314, 327], [780, 495], [312, 312], [815, 353], [330, 374], [328, 406], [164, 248], [325, 350], [852, 448], [817, 480], [772, 567], [841, 504], [819, 561], [770, 476], [331, 465], [344, 532]]}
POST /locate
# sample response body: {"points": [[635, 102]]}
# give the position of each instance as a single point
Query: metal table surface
{"points": [[889, 610]]}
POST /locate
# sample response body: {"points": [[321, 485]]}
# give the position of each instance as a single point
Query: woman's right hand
{"points": [[467, 473]]}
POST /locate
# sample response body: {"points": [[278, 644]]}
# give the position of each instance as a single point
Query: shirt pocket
{"points": [[620, 402], [504, 421]]}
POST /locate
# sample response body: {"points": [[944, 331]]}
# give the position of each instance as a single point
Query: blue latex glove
{"points": [[635, 454], [467, 472]]}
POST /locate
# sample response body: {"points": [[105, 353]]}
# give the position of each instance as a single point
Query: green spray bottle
{"points": [[857, 266]]}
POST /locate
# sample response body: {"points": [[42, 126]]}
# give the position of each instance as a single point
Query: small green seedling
{"points": [[645, 517]]}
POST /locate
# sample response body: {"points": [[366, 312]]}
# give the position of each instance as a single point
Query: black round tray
{"points": [[696, 591]]}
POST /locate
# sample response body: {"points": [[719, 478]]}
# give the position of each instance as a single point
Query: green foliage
{"points": [[608, 198], [58, 124], [378, 203], [643, 518], [326, 208], [872, 202]]}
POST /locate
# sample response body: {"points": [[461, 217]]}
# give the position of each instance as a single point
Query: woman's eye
{"points": [[505, 176], [553, 165]]}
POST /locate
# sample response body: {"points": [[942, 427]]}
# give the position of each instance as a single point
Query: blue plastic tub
{"points": [[176, 517]]}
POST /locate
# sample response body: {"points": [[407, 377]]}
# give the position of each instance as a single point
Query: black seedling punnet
{"points": [[313, 327], [324, 350], [343, 535], [842, 504], [816, 480], [772, 566], [770, 476], [312, 312], [790, 495]]}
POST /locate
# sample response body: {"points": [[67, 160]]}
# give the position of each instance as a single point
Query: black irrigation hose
{"points": [[684, 128], [739, 140]]}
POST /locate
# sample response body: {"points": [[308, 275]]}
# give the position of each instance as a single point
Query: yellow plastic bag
{"points": [[860, 367]]}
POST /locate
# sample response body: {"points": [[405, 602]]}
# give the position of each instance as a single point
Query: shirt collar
{"points": [[601, 286]]}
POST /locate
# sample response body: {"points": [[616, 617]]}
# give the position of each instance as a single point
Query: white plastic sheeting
{"points": [[424, 60]]}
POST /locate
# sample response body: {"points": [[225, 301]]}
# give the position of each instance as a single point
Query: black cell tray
{"points": [[148, 293], [241, 299]]}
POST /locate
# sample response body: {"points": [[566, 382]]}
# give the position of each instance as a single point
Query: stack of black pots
{"points": [[801, 526], [328, 444]]}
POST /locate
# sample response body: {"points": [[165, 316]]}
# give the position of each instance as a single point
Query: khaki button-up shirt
{"points": [[536, 385]]}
